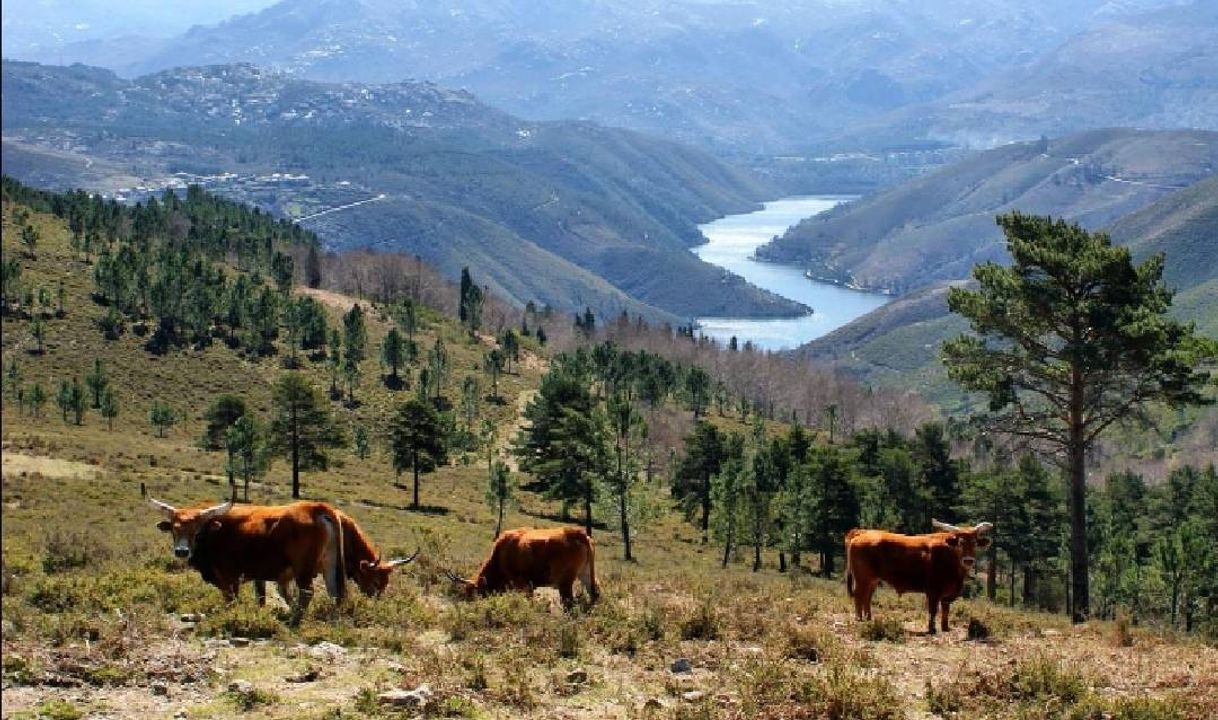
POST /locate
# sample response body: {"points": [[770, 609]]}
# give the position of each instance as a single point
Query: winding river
{"points": [[730, 244]]}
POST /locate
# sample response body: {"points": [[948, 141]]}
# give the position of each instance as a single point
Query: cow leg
{"points": [[589, 583], [865, 593], [945, 607], [566, 591], [303, 598], [260, 592], [285, 591], [932, 606]]}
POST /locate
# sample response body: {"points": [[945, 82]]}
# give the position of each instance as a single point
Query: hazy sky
{"points": [[48, 23]]}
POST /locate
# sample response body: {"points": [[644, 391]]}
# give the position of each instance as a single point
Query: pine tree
{"points": [[38, 397], [417, 441], [38, 330], [1068, 340], [500, 491], [727, 505], [628, 430], [247, 451], [301, 429], [223, 412], [109, 407], [162, 417], [97, 381], [361, 442], [705, 451], [393, 355], [493, 362], [29, 238]]}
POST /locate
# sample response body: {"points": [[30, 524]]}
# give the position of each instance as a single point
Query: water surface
{"points": [[730, 244]]}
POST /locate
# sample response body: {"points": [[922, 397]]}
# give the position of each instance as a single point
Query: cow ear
{"points": [[164, 526], [215, 525], [364, 564], [983, 543], [953, 540]]}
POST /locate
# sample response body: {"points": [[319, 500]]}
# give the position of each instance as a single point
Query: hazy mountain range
{"points": [[741, 76]]}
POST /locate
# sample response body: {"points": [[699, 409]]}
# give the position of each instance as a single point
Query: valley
{"points": [[730, 243]]}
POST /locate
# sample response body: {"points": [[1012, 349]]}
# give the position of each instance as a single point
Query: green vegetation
{"points": [[101, 607], [1070, 340]]}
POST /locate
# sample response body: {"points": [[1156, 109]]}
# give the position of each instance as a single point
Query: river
{"points": [[730, 244]]}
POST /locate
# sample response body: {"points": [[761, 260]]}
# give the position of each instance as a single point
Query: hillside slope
{"points": [[938, 226], [898, 345], [419, 168], [100, 619]]}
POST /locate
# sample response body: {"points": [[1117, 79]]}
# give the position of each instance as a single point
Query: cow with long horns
{"points": [[277, 543], [364, 564], [935, 564], [527, 558]]}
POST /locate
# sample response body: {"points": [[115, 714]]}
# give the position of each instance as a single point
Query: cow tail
{"points": [[336, 572], [594, 589], [849, 581]]}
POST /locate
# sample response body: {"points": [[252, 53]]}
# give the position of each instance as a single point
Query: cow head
{"points": [[966, 541], [467, 588], [373, 577], [184, 525]]}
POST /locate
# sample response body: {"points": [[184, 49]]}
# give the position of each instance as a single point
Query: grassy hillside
{"points": [[98, 619], [420, 169], [937, 227]]}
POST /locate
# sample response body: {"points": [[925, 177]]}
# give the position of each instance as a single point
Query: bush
{"points": [[71, 549], [702, 623], [887, 630]]}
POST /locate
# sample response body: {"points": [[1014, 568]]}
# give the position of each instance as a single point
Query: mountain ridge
{"points": [[610, 202]]}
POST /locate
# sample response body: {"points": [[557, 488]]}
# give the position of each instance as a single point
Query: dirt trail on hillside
{"points": [[15, 464], [326, 297]]}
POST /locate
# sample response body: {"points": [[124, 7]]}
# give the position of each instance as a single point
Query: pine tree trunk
{"points": [[415, 463], [991, 574], [622, 509], [295, 460], [588, 509], [706, 508], [1078, 511], [499, 520]]}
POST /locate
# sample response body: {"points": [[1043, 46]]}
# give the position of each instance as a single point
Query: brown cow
{"points": [[527, 558], [363, 562], [935, 564], [277, 543]]}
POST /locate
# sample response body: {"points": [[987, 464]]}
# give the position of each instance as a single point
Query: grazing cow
{"points": [[278, 543], [934, 564], [363, 563], [528, 558]]}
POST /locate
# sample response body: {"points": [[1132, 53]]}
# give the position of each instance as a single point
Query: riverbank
{"points": [[731, 243]]}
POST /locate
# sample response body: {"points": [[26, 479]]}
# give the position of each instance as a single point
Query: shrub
{"points": [[71, 549], [887, 630], [1122, 630], [702, 623]]}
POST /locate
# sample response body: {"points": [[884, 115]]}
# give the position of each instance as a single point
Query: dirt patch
{"points": [[326, 297], [18, 464]]}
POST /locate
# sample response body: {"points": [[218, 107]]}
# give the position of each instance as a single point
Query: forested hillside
{"points": [[728, 477], [936, 227], [417, 168]]}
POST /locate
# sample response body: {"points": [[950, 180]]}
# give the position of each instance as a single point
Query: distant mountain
{"points": [[566, 214], [738, 75], [899, 343], [1154, 70], [936, 227]]}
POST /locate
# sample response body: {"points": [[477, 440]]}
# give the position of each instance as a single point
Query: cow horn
{"points": [[164, 507], [454, 577], [984, 527], [944, 527], [403, 561], [215, 510]]}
